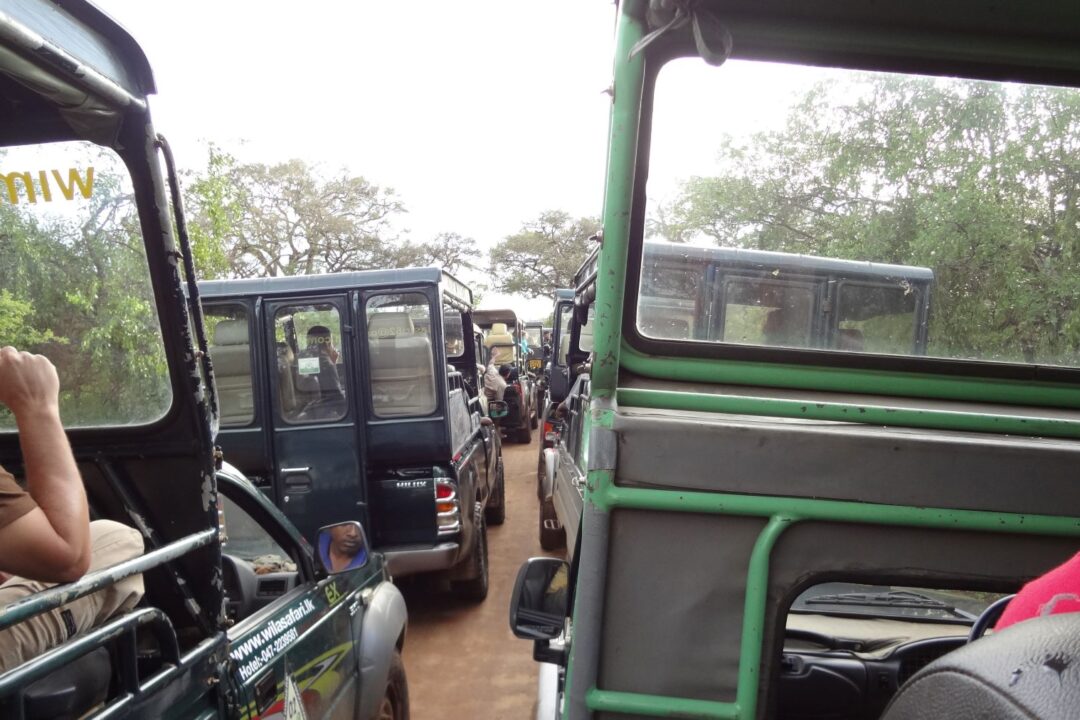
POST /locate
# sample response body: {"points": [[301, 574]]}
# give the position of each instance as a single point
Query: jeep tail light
{"points": [[447, 507]]}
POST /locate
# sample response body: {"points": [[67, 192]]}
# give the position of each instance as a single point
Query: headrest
{"points": [[498, 329], [390, 324], [231, 332]]}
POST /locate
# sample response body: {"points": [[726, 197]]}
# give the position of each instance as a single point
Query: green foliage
{"points": [[76, 288], [980, 182], [543, 255]]}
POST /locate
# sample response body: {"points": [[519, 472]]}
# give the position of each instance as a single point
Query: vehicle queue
{"points": [[863, 496]]}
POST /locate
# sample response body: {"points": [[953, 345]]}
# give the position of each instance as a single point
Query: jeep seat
{"points": [[231, 353], [501, 344], [1027, 671], [72, 690], [402, 368]]}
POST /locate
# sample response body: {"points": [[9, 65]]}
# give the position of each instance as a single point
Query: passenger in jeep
{"points": [[46, 532], [321, 345]]}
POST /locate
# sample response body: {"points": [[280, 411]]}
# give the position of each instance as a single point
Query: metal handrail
{"points": [[59, 595]]}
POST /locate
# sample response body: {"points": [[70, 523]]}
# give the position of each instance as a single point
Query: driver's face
{"points": [[345, 539]]}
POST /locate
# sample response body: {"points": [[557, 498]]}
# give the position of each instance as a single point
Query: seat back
{"points": [[231, 353], [402, 367], [1025, 672], [501, 344]]}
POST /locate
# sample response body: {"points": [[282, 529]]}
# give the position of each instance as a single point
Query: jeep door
{"points": [[315, 438], [568, 494], [295, 640]]}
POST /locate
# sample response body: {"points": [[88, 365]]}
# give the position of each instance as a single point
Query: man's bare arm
{"points": [[52, 542]]}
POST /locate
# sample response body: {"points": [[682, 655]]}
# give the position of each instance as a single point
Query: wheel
{"points": [[395, 703], [552, 534], [476, 589], [524, 433], [495, 512], [541, 471]]}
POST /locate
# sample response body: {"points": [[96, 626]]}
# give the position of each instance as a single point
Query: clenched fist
{"points": [[27, 381]]}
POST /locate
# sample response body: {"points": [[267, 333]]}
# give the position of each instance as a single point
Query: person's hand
{"points": [[27, 381], [332, 353]]}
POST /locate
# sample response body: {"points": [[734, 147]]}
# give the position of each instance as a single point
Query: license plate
{"points": [[535, 364]]}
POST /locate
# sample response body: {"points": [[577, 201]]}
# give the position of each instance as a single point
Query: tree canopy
{"points": [[543, 255]]}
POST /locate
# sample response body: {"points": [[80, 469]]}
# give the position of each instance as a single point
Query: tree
{"points": [[543, 255], [447, 250], [980, 182], [284, 219]]}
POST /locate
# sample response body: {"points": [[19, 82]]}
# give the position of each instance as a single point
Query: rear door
{"points": [[315, 437]]}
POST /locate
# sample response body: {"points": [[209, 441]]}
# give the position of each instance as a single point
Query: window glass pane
{"points": [[948, 193], [876, 318], [401, 361], [761, 312], [534, 334], [311, 366], [75, 284], [563, 322], [249, 541], [230, 349], [453, 333]]}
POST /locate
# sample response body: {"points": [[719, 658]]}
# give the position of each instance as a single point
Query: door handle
{"points": [[297, 481]]}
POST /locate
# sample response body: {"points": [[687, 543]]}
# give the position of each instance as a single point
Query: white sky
{"points": [[479, 115]]}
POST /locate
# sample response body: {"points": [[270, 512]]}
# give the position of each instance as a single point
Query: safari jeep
{"points": [[503, 335], [357, 395], [241, 618], [833, 415]]}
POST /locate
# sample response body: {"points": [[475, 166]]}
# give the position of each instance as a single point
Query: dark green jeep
{"points": [[241, 616]]}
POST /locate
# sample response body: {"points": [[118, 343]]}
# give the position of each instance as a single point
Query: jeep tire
{"points": [[475, 589], [495, 512], [552, 534], [395, 703]]}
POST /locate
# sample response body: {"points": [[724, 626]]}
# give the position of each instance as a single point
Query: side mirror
{"points": [[342, 547], [541, 599]]}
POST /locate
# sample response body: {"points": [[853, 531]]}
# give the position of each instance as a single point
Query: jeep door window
{"points": [[230, 349], [562, 320], [311, 376], [877, 318], [400, 355], [964, 187], [75, 284], [763, 312], [453, 333]]}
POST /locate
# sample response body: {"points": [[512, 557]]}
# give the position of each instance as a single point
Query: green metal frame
{"points": [[612, 352]]}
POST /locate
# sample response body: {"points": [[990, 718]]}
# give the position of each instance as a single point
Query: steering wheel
{"points": [[989, 616]]}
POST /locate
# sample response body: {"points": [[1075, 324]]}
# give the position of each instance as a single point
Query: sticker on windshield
{"points": [[294, 702], [309, 366], [16, 186]]}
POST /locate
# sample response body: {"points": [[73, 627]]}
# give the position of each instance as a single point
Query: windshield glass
{"points": [[795, 206], [900, 602], [75, 285]]}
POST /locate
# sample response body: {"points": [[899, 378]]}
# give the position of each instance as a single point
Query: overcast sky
{"points": [[480, 115]]}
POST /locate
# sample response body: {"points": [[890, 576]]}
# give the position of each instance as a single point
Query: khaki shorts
{"points": [[110, 543]]}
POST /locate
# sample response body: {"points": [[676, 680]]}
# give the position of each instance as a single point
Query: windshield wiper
{"points": [[892, 598]]}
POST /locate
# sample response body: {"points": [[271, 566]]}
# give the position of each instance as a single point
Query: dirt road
{"points": [[462, 662]]}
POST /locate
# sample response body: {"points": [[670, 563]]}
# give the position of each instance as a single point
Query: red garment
{"points": [[1058, 591]]}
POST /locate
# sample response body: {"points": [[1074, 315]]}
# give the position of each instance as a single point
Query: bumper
{"points": [[410, 560]]}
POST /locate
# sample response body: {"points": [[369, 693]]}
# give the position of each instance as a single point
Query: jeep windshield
{"points": [[903, 603], [835, 206], [75, 284]]}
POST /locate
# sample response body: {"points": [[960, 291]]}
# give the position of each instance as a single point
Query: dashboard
{"points": [[838, 667]]}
